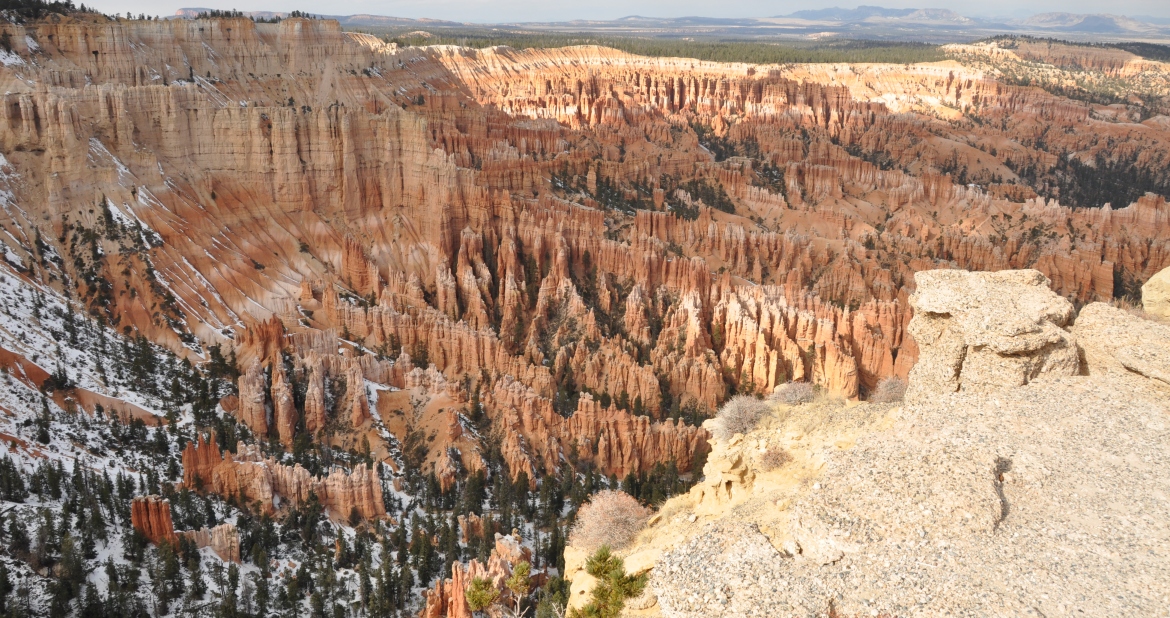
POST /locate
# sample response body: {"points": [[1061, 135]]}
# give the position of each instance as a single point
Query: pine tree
{"points": [[5, 588], [481, 594], [228, 605], [260, 580], [613, 586]]}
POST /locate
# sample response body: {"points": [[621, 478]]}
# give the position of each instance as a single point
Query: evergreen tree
{"points": [[5, 588], [613, 586]]}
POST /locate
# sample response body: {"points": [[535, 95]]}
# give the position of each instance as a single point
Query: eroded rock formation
{"points": [[653, 232], [151, 515], [448, 597], [727, 477], [269, 485]]}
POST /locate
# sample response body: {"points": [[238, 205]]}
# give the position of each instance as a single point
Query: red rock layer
{"points": [[151, 515]]}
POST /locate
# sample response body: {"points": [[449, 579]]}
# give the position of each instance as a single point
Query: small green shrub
{"points": [[481, 594], [613, 586]]}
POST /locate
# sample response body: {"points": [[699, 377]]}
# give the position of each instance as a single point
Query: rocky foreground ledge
{"points": [[1047, 495]]}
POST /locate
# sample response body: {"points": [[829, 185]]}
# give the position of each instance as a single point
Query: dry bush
{"points": [[611, 519], [740, 414], [795, 393], [775, 457], [889, 390], [1135, 309]]}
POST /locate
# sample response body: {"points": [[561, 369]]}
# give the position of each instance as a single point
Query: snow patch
{"points": [[12, 258], [9, 59]]}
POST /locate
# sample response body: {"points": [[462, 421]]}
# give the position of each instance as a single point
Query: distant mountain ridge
{"points": [[865, 21], [840, 14]]}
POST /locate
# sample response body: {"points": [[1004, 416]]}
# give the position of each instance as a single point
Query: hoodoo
{"points": [[385, 323]]}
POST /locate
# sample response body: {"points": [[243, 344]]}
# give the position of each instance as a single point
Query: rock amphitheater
{"points": [[393, 239]]}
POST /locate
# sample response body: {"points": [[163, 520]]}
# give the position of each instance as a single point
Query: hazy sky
{"points": [[549, 10]]}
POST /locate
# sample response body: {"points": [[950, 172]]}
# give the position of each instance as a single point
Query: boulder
{"points": [[1156, 294], [580, 582], [987, 330]]}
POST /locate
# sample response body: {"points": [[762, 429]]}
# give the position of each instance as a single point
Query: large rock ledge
{"points": [[983, 331], [1029, 475]]}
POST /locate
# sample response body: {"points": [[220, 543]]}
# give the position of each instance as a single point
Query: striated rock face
{"points": [[1156, 294], [1114, 341], [284, 411], [981, 331], [253, 410], [270, 484], [223, 539], [151, 515]]}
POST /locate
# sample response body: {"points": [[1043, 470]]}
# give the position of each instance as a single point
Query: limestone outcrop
{"points": [[982, 331], [727, 476], [919, 509]]}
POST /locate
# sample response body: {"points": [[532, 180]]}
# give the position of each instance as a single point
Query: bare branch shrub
{"points": [[889, 390], [610, 519], [1135, 309], [775, 457], [795, 393], [740, 414]]}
